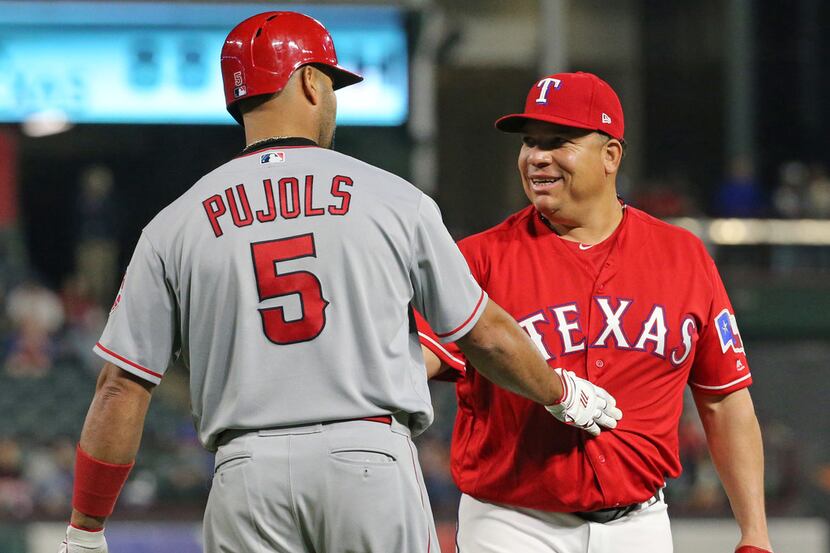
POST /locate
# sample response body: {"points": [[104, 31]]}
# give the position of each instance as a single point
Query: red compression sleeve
{"points": [[97, 484], [751, 549]]}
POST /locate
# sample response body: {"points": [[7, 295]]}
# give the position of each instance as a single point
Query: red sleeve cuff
{"points": [[449, 354], [455, 361], [739, 383]]}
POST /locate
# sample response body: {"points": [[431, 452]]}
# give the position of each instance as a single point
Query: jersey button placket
{"points": [[606, 272]]}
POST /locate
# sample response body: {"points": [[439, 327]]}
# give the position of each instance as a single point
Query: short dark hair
{"points": [[620, 140], [249, 104]]}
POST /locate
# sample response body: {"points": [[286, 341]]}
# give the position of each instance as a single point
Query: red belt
{"points": [[383, 419]]}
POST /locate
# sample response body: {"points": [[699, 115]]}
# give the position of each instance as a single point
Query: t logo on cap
{"points": [[544, 84], [583, 101]]}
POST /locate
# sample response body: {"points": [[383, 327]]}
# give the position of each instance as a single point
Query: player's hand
{"points": [[584, 405], [83, 541], [751, 549]]}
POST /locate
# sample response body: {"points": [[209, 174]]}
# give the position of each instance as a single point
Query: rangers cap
{"points": [[580, 100]]}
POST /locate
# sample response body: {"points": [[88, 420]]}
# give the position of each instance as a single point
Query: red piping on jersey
{"points": [[723, 386], [450, 357], [276, 148], [127, 361], [462, 325], [421, 492]]}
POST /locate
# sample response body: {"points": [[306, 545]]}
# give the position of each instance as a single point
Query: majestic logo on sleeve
{"points": [[728, 333]]}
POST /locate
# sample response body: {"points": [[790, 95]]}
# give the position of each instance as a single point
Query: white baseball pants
{"points": [[351, 486], [492, 528]]}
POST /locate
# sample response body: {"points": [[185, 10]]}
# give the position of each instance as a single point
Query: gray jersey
{"points": [[282, 280]]}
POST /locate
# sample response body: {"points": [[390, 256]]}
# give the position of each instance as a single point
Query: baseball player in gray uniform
{"points": [[282, 281]]}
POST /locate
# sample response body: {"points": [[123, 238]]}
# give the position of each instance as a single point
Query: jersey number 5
{"points": [[271, 283]]}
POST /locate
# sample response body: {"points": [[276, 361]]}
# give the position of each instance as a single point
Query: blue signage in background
{"points": [[171, 537], [125, 62]]}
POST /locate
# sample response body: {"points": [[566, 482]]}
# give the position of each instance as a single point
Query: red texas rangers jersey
{"points": [[640, 314]]}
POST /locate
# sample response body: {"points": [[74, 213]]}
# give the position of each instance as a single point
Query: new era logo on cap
{"points": [[580, 100]]}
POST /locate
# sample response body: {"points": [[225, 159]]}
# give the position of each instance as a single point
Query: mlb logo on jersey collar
{"points": [[272, 157]]}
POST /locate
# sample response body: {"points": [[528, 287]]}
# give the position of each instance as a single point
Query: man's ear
{"points": [[310, 84], [612, 154]]}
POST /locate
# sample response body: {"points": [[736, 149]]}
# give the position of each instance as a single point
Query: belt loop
{"points": [[656, 498]]}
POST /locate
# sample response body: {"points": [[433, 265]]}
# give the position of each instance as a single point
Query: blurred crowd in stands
{"points": [[47, 379], [801, 191], [48, 373]]}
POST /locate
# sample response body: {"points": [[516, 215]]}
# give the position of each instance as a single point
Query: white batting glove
{"points": [[83, 541], [584, 405]]}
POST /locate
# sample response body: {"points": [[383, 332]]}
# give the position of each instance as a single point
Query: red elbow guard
{"points": [[97, 484]]}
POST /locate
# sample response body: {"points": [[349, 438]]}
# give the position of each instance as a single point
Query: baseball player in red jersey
{"points": [[282, 281], [617, 297]]}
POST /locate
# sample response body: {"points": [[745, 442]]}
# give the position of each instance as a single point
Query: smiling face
{"points": [[565, 170]]}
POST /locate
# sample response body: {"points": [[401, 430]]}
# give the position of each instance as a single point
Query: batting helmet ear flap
{"points": [[261, 53]]}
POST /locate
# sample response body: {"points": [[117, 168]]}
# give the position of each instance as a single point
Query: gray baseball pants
{"points": [[345, 487]]}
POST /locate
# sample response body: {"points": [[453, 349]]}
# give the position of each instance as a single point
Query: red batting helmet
{"points": [[261, 53]]}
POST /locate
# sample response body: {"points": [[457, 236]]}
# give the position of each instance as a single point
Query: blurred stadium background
{"points": [[109, 110]]}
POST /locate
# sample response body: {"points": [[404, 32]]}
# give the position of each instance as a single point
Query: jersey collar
{"points": [[277, 142], [547, 224]]}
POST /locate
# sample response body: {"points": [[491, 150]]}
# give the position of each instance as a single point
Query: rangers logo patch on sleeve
{"points": [[730, 337]]}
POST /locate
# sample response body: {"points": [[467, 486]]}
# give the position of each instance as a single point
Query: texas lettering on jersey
{"points": [[286, 197], [563, 323]]}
